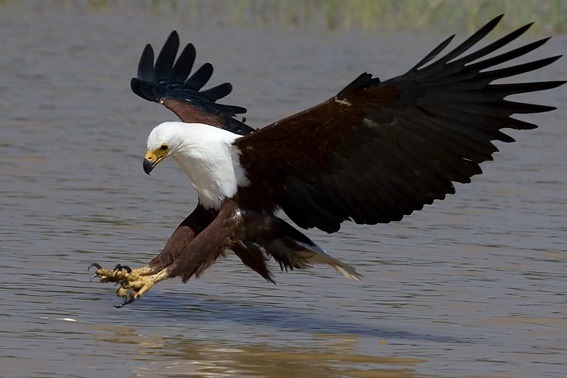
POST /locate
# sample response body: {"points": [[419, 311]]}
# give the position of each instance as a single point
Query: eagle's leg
{"points": [[135, 285], [117, 274], [189, 251], [122, 273], [135, 282]]}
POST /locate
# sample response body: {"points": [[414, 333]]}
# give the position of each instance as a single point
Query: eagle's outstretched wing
{"points": [[168, 82], [380, 150]]}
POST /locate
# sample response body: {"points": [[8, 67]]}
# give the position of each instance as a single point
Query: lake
{"points": [[472, 286]]}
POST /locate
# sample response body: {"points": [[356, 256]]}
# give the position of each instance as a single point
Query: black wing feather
{"points": [[380, 150], [182, 68], [146, 65], [169, 82], [164, 62]]}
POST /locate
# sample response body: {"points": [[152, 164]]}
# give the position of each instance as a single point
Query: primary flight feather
{"points": [[373, 153]]}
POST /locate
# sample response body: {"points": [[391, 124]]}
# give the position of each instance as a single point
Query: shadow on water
{"points": [[199, 309]]}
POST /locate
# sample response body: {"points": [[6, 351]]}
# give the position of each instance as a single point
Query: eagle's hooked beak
{"points": [[152, 159]]}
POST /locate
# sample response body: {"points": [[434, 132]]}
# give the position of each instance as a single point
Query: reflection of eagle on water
{"points": [[371, 154]]}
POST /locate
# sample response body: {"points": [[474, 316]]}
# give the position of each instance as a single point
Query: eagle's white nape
{"points": [[206, 154]]}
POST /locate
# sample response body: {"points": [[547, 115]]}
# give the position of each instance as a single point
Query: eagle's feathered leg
{"points": [[135, 282], [219, 236], [193, 247]]}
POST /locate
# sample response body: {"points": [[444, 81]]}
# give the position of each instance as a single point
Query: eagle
{"points": [[373, 153]]}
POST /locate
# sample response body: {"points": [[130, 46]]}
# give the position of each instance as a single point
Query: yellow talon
{"points": [[133, 283]]}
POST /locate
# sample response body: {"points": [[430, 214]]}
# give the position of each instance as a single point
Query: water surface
{"points": [[473, 286]]}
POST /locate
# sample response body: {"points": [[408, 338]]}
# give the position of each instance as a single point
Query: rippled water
{"points": [[473, 286]]}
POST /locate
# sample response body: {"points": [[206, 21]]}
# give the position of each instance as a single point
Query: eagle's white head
{"points": [[206, 154]]}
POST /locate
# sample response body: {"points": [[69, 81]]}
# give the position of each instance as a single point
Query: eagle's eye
{"points": [[163, 147]]}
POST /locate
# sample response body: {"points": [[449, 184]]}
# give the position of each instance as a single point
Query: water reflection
{"points": [[336, 355]]}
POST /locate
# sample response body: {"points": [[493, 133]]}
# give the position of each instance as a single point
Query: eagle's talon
{"points": [[132, 283], [120, 267], [127, 294], [125, 301], [123, 291], [97, 266]]}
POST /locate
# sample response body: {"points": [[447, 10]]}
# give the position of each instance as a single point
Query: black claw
{"points": [[121, 283], [125, 301], [125, 267], [95, 265], [93, 277], [130, 300]]}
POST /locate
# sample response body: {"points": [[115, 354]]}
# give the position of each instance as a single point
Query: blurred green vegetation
{"points": [[400, 15], [367, 15]]}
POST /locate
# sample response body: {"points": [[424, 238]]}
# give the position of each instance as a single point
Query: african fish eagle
{"points": [[374, 152]]}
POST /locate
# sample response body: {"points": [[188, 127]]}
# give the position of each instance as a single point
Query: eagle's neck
{"points": [[211, 161]]}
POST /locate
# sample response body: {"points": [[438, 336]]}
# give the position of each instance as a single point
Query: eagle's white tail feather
{"points": [[346, 270], [317, 255]]}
